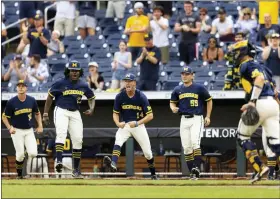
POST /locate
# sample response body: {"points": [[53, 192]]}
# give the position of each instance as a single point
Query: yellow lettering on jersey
{"points": [[246, 85], [35, 34], [152, 54], [240, 44], [188, 95], [21, 111], [256, 73], [73, 92], [126, 107]]}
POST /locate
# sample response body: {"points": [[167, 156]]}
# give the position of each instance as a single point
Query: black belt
{"points": [[188, 116], [70, 109]]}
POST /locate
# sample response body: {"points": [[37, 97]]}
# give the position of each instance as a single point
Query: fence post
{"points": [[129, 153], [240, 161]]}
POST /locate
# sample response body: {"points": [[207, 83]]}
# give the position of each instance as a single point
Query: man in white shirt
{"points": [[37, 73], [64, 18], [160, 29], [223, 25]]}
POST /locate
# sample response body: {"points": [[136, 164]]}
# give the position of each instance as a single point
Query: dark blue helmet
{"points": [[73, 65]]}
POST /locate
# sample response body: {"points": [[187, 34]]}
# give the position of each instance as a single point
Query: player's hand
{"points": [[175, 109], [39, 130], [46, 119], [245, 106], [132, 124], [121, 125], [207, 121], [88, 112], [12, 130]]}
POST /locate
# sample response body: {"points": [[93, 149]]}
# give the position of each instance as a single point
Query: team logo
{"points": [[149, 108], [186, 69], [127, 76], [74, 64]]}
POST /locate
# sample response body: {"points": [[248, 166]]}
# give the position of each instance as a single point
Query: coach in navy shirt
{"points": [[38, 37]]}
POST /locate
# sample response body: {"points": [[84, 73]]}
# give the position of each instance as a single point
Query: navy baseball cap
{"points": [[130, 77], [18, 57], [38, 15], [148, 37], [74, 65], [187, 69], [21, 81]]}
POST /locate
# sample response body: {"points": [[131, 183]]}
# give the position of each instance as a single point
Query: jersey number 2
{"points": [[194, 102]]}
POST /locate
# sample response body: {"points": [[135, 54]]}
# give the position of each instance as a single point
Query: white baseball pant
{"points": [[65, 120], [268, 110], [191, 130], [67, 167], [39, 166], [24, 138], [266, 148], [141, 136]]}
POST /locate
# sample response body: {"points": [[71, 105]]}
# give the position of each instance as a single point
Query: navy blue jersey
{"points": [[36, 46], [21, 113], [190, 99], [132, 109], [249, 70], [68, 95], [67, 149]]}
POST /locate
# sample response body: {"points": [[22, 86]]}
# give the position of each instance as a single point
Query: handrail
{"points": [[46, 14], [12, 39], [15, 23]]}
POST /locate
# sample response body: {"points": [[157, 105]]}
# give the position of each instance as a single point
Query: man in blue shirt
{"points": [[18, 118], [131, 112], [188, 100], [68, 93]]}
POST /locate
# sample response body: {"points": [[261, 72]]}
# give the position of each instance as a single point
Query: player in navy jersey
{"points": [[18, 118], [131, 112], [67, 155], [68, 93], [188, 100], [256, 83]]}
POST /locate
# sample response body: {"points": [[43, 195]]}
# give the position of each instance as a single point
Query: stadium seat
{"points": [[82, 58], [104, 67], [90, 40], [7, 59], [58, 59], [217, 85], [170, 85], [105, 22], [11, 19], [107, 76], [5, 87], [111, 29], [45, 87], [71, 50], [58, 76], [72, 40], [100, 14], [56, 68], [175, 76]]}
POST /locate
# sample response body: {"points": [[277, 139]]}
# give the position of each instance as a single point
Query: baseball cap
{"points": [[130, 77], [275, 35], [222, 11], [21, 81], [18, 57], [187, 69], [148, 37], [93, 63], [74, 65], [138, 5], [38, 15]]}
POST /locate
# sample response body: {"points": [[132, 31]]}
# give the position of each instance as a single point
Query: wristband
{"points": [[256, 92], [45, 114], [136, 123]]}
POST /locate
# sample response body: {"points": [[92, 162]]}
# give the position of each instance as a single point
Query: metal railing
{"points": [[46, 14]]}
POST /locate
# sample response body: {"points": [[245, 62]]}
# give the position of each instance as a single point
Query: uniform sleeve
{"points": [[146, 105], [117, 104], [46, 34], [89, 93], [54, 90], [50, 146], [205, 94], [174, 97], [253, 70], [35, 108], [8, 112]]}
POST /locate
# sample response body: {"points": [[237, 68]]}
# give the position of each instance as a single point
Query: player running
{"points": [[20, 111], [256, 82], [68, 93], [131, 112], [188, 100]]}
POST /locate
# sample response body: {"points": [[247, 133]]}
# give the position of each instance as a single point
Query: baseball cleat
{"points": [[259, 175], [77, 174], [195, 174], [154, 177], [59, 167], [21, 177], [270, 177], [110, 164]]}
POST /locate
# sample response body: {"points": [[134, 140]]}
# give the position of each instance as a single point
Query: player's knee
{"points": [[20, 156], [32, 154], [60, 138], [276, 149], [148, 154], [188, 150], [119, 143], [77, 142]]}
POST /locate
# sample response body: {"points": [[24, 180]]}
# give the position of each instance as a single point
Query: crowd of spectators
{"points": [[147, 42]]}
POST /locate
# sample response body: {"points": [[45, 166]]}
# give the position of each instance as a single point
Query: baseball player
{"points": [[18, 118], [257, 83], [66, 160], [188, 100], [131, 112], [68, 93]]}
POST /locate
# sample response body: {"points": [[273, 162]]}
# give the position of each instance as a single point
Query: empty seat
{"points": [[57, 76], [170, 85], [45, 87], [105, 22], [58, 59], [112, 29], [56, 68], [218, 85], [72, 40]]}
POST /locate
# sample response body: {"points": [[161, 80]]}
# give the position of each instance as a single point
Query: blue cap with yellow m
{"points": [[74, 65]]}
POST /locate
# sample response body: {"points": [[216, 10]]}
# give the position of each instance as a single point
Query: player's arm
{"points": [[91, 101], [146, 119], [38, 117], [7, 114], [208, 99], [7, 123], [116, 112], [47, 107], [173, 102]]}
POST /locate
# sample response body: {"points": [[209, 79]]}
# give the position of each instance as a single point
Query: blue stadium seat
{"points": [[90, 40], [72, 40], [58, 76], [80, 57], [71, 50], [100, 14], [57, 59], [57, 68], [170, 85], [5, 87], [107, 76], [105, 22], [249, 4], [45, 87], [11, 19], [11, 10], [209, 5], [112, 29], [217, 85], [100, 54], [104, 67], [174, 56], [7, 59]]}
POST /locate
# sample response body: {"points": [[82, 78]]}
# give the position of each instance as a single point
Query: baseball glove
{"points": [[250, 117]]}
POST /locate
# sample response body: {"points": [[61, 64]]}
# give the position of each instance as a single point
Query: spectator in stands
{"points": [[136, 27], [37, 72], [3, 38], [205, 20], [239, 36], [271, 54], [247, 21], [86, 20], [38, 38], [213, 52], [27, 9], [64, 18], [95, 80], [160, 29], [189, 25], [16, 70], [55, 45], [115, 8], [267, 30], [223, 25], [122, 62], [167, 8], [149, 65]]}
